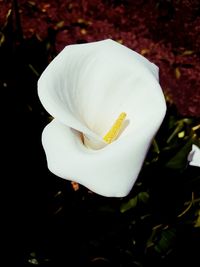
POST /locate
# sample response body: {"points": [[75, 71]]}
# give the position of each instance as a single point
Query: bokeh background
{"points": [[49, 222]]}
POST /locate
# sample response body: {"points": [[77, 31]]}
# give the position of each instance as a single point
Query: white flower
{"points": [[194, 156], [85, 88]]}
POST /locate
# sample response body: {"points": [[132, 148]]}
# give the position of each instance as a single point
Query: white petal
{"points": [[194, 156], [110, 171], [87, 86]]}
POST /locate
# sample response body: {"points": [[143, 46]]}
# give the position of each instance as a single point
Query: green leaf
{"points": [[179, 161], [179, 126], [166, 241], [133, 202], [197, 223], [143, 197], [2, 38]]}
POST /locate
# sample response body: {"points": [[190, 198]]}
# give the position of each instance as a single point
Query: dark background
{"points": [[47, 222]]}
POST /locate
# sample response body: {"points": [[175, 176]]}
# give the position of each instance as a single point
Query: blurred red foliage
{"points": [[166, 32]]}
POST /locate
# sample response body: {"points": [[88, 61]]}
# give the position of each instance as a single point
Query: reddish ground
{"points": [[166, 32]]}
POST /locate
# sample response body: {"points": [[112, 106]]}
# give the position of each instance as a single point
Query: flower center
{"points": [[110, 136], [114, 131]]}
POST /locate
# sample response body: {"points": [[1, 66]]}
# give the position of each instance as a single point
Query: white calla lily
{"points": [[194, 156], [85, 88]]}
